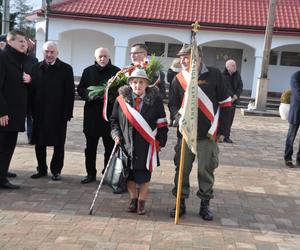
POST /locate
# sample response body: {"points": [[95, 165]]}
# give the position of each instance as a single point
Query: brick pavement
{"points": [[256, 205]]}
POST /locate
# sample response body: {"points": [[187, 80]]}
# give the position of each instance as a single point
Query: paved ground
{"points": [[257, 203]]}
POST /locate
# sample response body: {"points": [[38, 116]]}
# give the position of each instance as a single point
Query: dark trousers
{"points": [[91, 152], [8, 141], [57, 161], [290, 138], [29, 127], [231, 113]]}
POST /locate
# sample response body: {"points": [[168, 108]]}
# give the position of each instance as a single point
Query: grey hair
{"points": [[97, 51], [50, 44], [229, 61]]}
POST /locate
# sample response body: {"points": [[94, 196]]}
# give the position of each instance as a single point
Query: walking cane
{"points": [[100, 184]]}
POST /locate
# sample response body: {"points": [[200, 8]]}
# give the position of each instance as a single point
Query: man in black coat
{"points": [[52, 98], [294, 121], [13, 100], [234, 84], [94, 125]]}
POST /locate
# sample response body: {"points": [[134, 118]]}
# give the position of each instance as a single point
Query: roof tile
{"points": [[242, 13]]}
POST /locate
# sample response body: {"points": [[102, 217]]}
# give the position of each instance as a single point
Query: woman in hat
{"points": [[139, 123]]}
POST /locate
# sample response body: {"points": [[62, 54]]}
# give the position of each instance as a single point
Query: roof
{"points": [[243, 14]]}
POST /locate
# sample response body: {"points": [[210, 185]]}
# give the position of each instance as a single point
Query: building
{"points": [[229, 29]]}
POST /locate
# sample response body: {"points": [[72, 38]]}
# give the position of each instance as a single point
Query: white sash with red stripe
{"points": [[143, 128], [204, 103]]}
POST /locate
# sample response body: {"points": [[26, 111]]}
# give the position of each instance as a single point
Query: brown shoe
{"points": [[141, 207], [132, 208]]}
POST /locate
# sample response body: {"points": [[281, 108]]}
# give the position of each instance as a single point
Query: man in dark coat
{"points": [[94, 125], [234, 84], [13, 100], [52, 99], [294, 121], [215, 95]]}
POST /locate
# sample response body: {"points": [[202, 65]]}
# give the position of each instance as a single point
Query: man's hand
{"points": [[4, 121], [26, 78], [233, 98]]}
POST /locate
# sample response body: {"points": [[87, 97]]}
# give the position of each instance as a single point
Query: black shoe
{"points": [[227, 140], [204, 212], [88, 179], [11, 175], [120, 190], [181, 210], [8, 185], [289, 163], [56, 177], [38, 175]]}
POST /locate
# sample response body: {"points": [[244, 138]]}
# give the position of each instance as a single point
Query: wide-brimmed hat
{"points": [[186, 49], [138, 73]]}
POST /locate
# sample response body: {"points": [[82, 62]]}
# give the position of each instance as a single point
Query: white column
{"points": [[256, 73], [120, 55]]}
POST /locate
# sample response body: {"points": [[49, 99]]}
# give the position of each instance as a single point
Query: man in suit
{"points": [[13, 100], [294, 121], [52, 97], [94, 125]]}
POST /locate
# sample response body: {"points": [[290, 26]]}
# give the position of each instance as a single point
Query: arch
{"points": [[77, 47], [228, 41]]}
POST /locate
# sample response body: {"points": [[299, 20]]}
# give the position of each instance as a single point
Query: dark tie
{"points": [[138, 103]]}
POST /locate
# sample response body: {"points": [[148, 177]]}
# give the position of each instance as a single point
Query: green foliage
{"points": [[286, 97], [152, 69]]}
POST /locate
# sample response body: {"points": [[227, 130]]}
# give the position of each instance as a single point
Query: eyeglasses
{"points": [[136, 53]]}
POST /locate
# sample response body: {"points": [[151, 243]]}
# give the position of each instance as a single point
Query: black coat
{"points": [[233, 83], [294, 114], [13, 91], [135, 145], [52, 102], [93, 122], [214, 88]]}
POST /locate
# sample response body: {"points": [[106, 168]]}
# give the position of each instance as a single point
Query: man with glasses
{"points": [[138, 54]]}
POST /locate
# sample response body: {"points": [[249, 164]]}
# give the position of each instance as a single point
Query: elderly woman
{"points": [[139, 123]]}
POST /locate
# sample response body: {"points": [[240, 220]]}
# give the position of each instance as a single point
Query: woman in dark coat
{"points": [[143, 106]]}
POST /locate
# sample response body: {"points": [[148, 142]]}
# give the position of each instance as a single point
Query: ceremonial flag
{"points": [[189, 111]]}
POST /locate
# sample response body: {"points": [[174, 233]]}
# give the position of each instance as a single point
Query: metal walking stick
{"points": [[101, 182]]}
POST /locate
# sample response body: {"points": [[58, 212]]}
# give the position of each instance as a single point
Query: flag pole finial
{"points": [[195, 26]]}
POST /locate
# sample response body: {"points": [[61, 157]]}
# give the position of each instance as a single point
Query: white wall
{"points": [[77, 47]]}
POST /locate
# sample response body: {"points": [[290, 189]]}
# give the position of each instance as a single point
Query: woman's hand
{"points": [[117, 140]]}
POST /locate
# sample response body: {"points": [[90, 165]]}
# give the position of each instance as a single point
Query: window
{"points": [[273, 57], [173, 49], [158, 49], [290, 58]]}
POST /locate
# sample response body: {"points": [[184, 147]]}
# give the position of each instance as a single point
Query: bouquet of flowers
{"points": [[110, 90]]}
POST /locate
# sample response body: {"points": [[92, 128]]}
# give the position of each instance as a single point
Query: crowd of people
{"points": [[43, 92]]}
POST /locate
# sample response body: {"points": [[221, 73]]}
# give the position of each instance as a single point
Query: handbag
{"points": [[117, 171]]}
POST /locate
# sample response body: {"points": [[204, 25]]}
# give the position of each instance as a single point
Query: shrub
{"points": [[286, 97]]}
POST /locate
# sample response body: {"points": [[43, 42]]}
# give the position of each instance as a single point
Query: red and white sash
{"points": [[143, 128], [204, 103]]}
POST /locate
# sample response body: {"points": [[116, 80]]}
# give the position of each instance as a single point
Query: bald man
{"points": [[52, 100], [94, 126], [234, 84]]}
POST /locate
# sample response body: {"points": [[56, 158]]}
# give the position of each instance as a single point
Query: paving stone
{"points": [[256, 205]]}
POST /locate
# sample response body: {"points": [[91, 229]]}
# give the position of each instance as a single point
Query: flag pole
{"points": [[195, 28]]}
